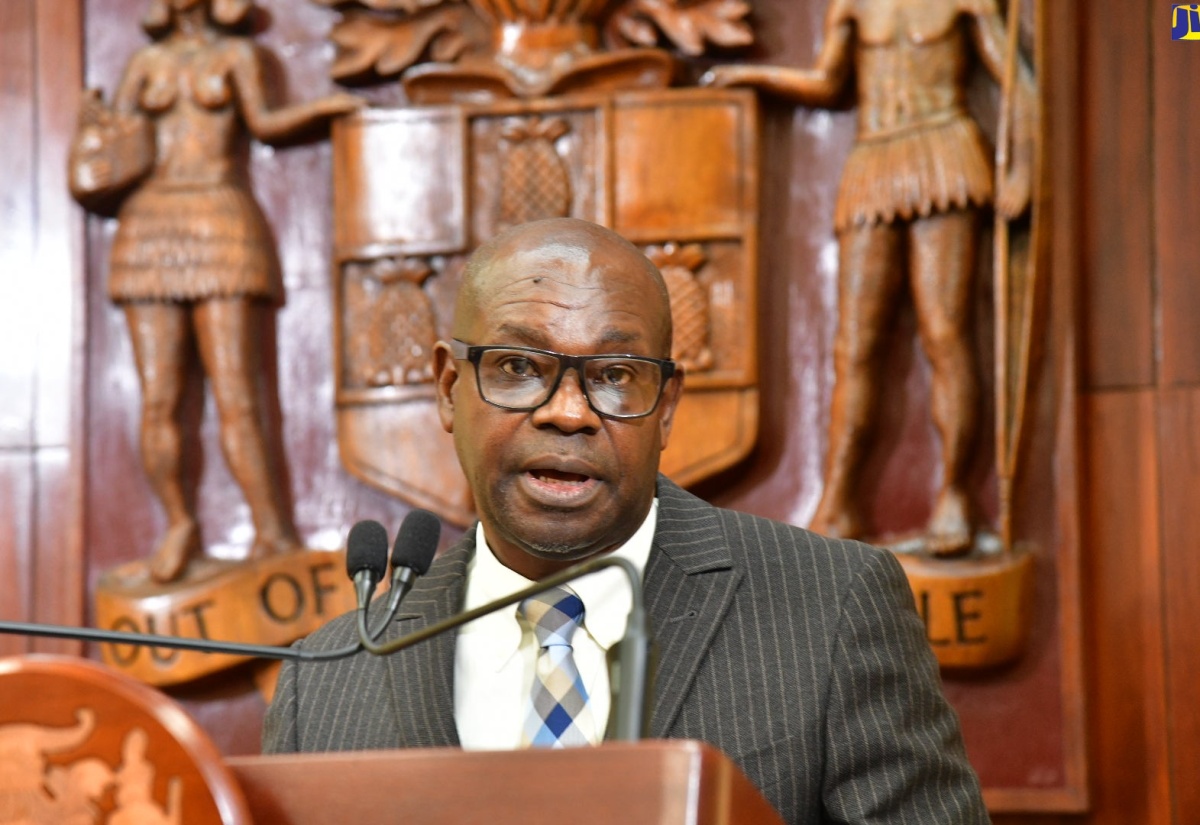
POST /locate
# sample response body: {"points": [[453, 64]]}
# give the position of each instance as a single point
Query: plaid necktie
{"points": [[558, 715]]}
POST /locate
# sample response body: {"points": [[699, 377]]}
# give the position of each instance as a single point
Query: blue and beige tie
{"points": [[558, 716]]}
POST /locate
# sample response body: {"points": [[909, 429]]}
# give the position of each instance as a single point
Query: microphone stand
{"points": [[120, 637], [631, 666], [123, 637]]}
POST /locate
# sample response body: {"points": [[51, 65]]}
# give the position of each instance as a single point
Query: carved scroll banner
{"points": [[417, 189], [976, 611], [272, 601]]}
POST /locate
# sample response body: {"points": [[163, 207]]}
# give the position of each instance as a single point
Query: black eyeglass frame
{"points": [[462, 351]]}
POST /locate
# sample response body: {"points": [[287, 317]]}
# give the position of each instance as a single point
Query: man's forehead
{"points": [[552, 274], [524, 284], [563, 262], [545, 253]]}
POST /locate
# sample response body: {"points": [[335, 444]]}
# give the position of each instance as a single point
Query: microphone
{"points": [[366, 543], [629, 672], [416, 544], [366, 558]]}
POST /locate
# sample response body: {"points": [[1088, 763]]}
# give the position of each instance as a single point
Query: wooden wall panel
{"points": [[1116, 243], [17, 370], [17, 223], [1123, 586], [57, 264], [1179, 429], [16, 543], [1177, 202], [1062, 106], [59, 423], [40, 553], [56, 575]]}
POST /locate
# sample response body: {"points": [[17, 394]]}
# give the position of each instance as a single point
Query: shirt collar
{"points": [[605, 593]]}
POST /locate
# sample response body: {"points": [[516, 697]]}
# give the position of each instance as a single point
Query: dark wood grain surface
{"points": [[1112, 484]]}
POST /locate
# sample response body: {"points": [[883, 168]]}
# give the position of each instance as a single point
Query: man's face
{"points": [[559, 483]]}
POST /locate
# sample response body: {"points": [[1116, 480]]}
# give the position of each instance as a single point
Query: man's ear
{"points": [[445, 376], [672, 395]]}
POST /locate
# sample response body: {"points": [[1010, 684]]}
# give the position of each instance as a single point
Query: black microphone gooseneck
{"points": [[631, 668], [121, 637]]}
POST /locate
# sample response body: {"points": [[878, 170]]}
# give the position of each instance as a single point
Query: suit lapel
{"points": [[689, 584], [422, 676]]}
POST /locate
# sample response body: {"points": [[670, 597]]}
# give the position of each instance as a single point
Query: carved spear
{"points": [[1014, 290]]}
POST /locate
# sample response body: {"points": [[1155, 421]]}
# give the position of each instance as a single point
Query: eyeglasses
{"points": [[524, 378]]}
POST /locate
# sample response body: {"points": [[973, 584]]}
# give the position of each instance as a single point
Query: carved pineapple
{"points": [[689, 303], [534, 181], [390, 323]]}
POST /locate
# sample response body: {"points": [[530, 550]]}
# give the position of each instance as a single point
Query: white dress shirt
{"points": [[494, 655]]}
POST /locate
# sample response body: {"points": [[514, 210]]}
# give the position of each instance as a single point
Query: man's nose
{"points": [[568, 408]]}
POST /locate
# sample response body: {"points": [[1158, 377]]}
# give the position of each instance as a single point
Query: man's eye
{"points": [[614, 375], [518, 367]]}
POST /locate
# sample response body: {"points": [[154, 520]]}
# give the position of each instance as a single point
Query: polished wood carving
{"points": [[81, 745], [271, 601], [391, 323], [527, 48], [689, 303], [418, 189], [913, 197], [908, 214], [193, 263]]}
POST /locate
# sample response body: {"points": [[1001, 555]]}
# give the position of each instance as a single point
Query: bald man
{"points": [[802, 658]]}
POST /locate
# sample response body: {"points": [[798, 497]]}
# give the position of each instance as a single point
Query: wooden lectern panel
{"points": [[637, 783]]}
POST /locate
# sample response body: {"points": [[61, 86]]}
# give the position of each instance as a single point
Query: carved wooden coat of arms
{"points": [[529, 109]]}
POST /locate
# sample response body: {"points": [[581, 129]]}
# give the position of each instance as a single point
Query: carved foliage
{"points": [[385, 37], [370, 44], [688, 26]]}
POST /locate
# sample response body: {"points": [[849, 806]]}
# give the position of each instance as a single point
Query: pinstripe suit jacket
{"points": [[800, 657]]}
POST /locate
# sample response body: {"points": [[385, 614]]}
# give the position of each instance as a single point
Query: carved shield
{"points": [[417, 189]]}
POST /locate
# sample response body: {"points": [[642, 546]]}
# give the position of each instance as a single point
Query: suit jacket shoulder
{"points": [[803, 658]]}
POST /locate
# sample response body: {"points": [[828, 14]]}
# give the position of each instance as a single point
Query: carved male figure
{"points": [[907, 213]]}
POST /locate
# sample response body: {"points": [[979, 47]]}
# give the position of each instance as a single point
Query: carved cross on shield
{"points": [[416, 189]]}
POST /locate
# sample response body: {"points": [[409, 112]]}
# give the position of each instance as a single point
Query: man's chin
{"points": [[557, 550]]}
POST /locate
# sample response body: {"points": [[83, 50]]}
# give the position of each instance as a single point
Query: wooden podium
{"points": [[81, 742], [639, 783]]}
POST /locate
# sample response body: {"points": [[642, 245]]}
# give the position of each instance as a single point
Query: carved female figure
{"points": [[193, 264], [907, 212]]}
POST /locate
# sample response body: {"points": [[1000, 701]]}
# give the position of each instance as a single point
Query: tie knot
{"points": [[554, 615]]}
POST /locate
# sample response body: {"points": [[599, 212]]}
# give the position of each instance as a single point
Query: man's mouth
{"points": [[558, 477], [551, 487]]}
